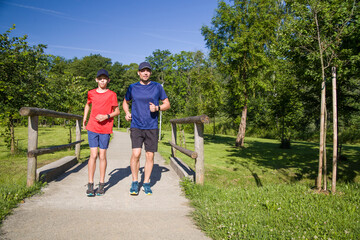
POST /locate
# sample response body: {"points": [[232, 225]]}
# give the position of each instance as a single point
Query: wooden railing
{"points": [[33, 151], [198, 154]]}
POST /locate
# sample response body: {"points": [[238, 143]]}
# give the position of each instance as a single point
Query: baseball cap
{"points": [[144, 65], [102, 72]]}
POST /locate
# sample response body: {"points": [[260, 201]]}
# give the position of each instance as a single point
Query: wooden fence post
{"points": [[78, 138], [173, 138], [32, 145], [199, 148]]}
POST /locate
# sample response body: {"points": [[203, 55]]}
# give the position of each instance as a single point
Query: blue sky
{"points": [[127, 31]]}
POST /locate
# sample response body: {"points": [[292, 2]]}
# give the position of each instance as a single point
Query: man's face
{"points": [[102, 81], [144, 74]]}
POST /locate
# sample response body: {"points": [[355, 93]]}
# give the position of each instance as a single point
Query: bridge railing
{"points": [[198, 154], [33, 150]]}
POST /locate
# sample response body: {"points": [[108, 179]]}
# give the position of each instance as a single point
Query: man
{"points": [[145, 96], [104, 107]]}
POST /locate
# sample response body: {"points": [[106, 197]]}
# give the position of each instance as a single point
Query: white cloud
{"points": [[92, 50]]}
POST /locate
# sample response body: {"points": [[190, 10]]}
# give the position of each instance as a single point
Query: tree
{"points": [[160, 63], [210, 90], [87, 68], [22, 79], [315, 34], [239, 41]]}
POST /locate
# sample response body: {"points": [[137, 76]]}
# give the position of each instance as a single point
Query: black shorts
{"points": [[147, 136]]}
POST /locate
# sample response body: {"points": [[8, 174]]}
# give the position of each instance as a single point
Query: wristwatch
{"points": [[108, 116]]}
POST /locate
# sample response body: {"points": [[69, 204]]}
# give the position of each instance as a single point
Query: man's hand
{"points": [[152, 107], [128, 117], [101, 117]]}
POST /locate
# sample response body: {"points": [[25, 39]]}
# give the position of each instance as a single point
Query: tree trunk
{"points": [[325, 160], [335, 126], [321, 147], [322, 111], [240, 139]]}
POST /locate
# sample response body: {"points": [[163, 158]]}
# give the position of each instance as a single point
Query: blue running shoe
{"points": [[147, 189], [134, 190]]}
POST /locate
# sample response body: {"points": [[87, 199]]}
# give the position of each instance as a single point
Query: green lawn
{"points": [[13, 168], [264, 192]]}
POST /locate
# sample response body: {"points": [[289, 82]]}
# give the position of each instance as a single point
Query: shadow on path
{"points": [[155, 175], [116, 176], [119, 174], [75, 170]]}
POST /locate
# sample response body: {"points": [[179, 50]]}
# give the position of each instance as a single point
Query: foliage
{"points": [[316, 36], [239, 40], [22, 78], [65, 93], [262, 56], [87, 68]]}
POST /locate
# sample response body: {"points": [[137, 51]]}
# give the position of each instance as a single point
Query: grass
{"points": [[258, 192], [13, 168], [264, 192]]}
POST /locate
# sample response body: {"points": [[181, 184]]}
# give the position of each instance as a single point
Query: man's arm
{"points": [[126, 110], [86, 111], [103, 117], [165, 105], [116, 111]]}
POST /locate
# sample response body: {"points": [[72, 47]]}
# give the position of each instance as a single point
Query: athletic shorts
{"points": [[98, 140], [148, 137]]}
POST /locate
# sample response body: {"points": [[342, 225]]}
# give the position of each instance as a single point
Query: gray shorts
{"points": [[148, 137]]}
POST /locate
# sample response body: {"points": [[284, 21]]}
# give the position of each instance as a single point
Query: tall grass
{"points": [[13, 168], [264, 192]]}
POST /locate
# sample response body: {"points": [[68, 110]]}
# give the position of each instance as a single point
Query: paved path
{"points": [[64, 211]]}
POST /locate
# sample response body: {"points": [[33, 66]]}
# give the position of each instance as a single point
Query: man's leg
{"points": [[92, 164], [103, 164], [135, 163], [91, 171], [149, 164]]}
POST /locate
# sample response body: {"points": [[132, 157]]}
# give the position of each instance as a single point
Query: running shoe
{"points": [[100, 191], [147, 189], [134, 189], [90, 191]]}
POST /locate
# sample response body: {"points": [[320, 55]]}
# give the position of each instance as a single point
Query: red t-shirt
{"points": [[101, 103]]}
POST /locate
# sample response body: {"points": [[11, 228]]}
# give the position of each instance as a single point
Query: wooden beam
{"points": [[195, 119], [31, 111], [42, 151], [184, 150]]}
